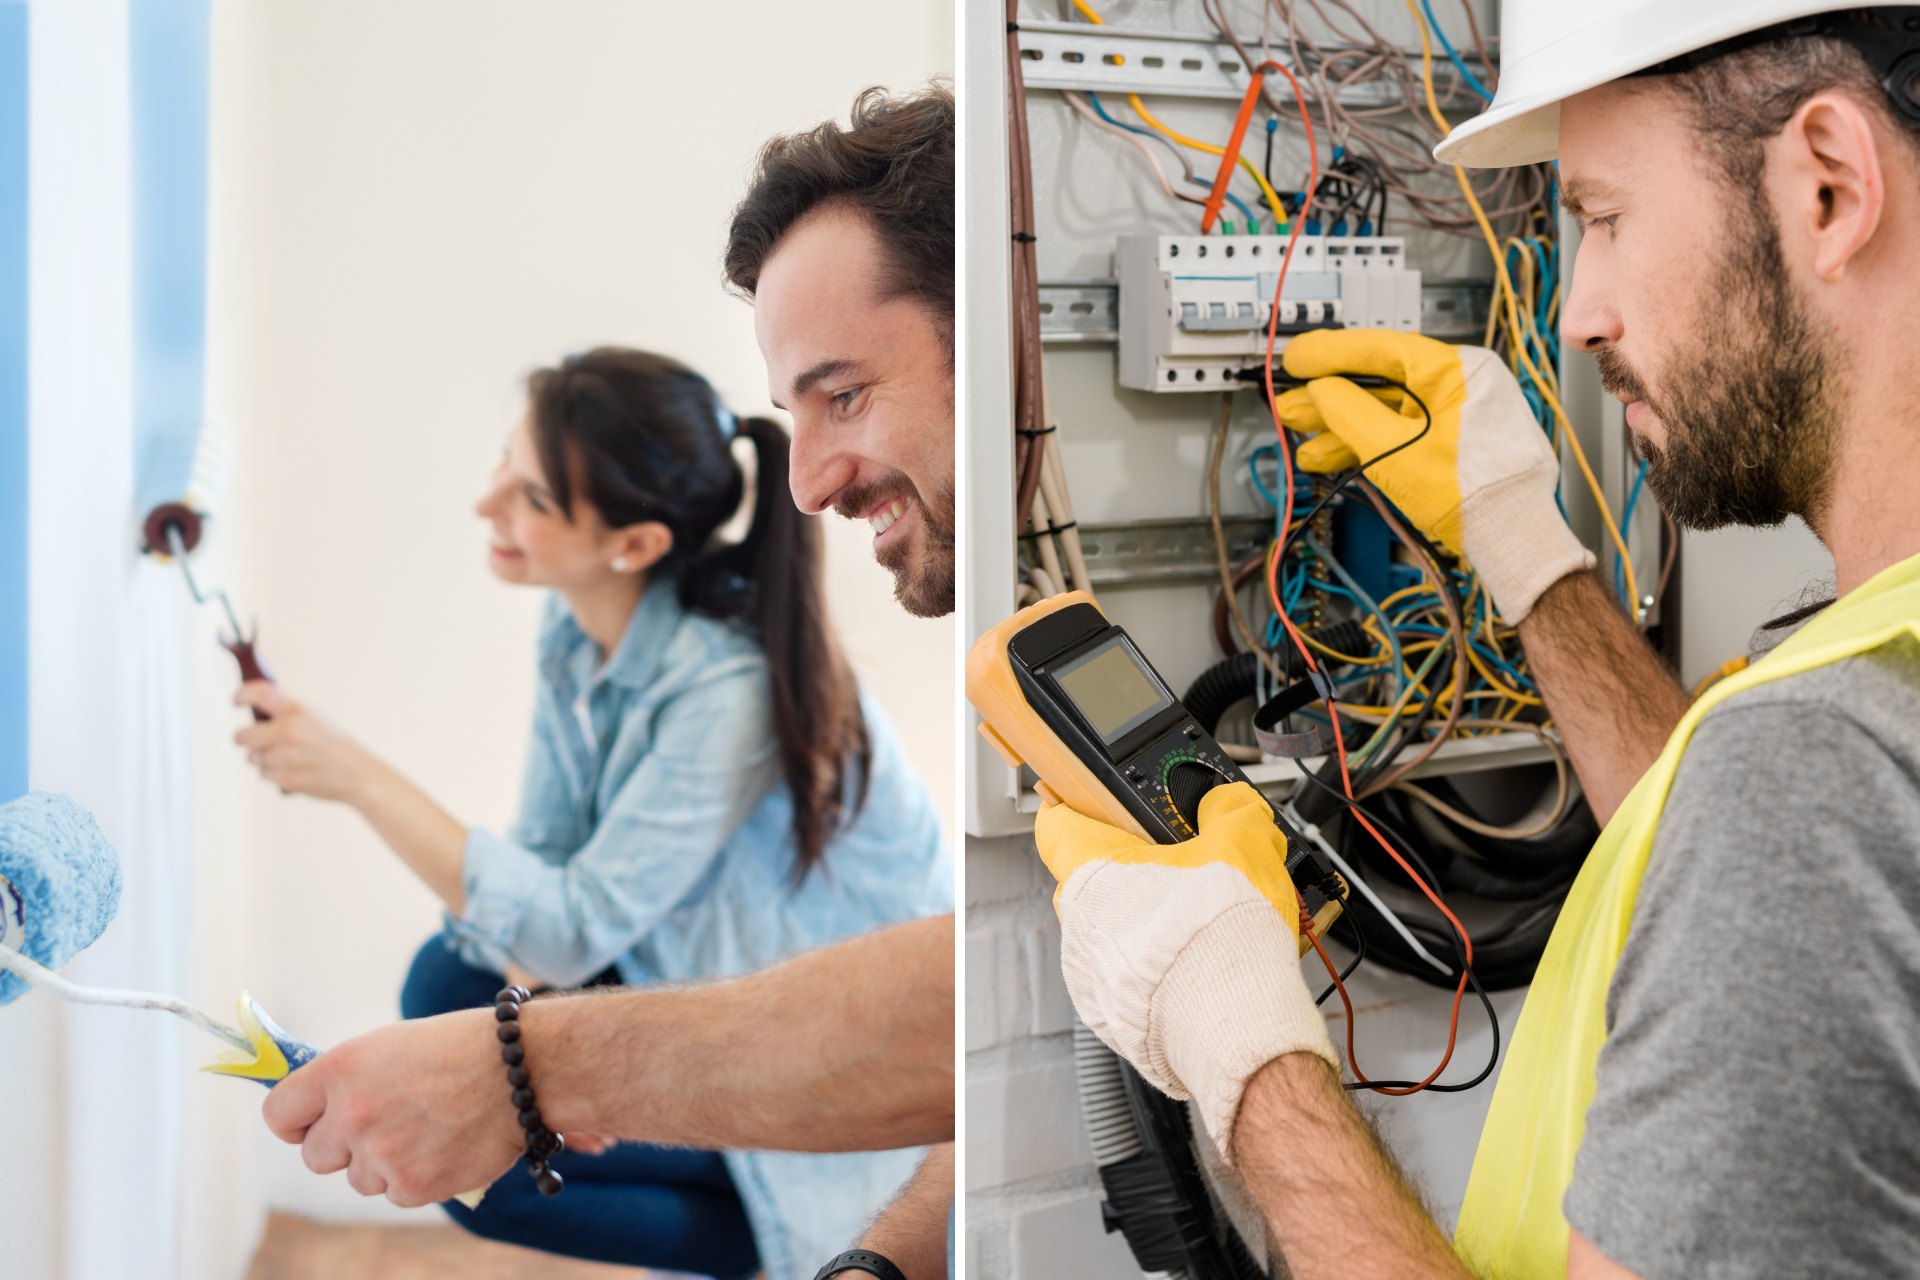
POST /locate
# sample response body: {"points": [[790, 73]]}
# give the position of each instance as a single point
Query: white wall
{"points": [[415, 203], [95, 1118]]}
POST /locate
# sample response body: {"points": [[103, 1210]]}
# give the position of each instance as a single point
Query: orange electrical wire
{"points": [[1231, 156], [1300, 644]]}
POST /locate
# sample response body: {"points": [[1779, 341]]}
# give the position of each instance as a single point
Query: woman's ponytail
{"points": [[817, 722]]}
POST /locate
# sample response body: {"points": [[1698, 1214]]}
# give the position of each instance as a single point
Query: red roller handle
{"points": [[250, 668]]}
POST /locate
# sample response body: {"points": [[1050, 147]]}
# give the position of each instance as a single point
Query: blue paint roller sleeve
{"points": [[59, 882]]}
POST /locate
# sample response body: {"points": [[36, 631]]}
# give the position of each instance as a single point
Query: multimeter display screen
{"points": [[1113, 689]]}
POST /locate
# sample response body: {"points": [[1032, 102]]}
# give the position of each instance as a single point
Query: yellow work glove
{"points": [[1481, 482], [1184, 958]]}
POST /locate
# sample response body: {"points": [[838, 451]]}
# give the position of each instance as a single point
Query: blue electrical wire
{"points": [[1472, 82], [1130, 128], [1302, 496], [1253, 465], [1253, 226], [1626, 528]]}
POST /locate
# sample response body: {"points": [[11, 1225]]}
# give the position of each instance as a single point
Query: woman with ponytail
{"points": [[706, 792]]}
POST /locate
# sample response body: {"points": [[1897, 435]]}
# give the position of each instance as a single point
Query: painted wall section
{"points": [[167, 55], [13, 399]]}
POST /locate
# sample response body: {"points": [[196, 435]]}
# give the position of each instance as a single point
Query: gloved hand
{"points": [[1184, 958], [1482, 481]]}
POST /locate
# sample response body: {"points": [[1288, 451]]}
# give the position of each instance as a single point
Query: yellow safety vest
{"points": [[1511, 1225]]}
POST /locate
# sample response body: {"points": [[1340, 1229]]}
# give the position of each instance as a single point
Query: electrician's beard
{"points": [[923, 569], [1749, 409]]}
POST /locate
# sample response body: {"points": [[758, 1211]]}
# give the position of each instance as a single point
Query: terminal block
{"points": [[1194, 310]]}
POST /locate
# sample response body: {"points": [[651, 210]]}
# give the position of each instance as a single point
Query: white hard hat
{"points": [[1553, 49]]}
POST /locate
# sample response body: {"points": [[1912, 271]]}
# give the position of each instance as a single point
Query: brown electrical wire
{"points": [[1243, 572], [1139, 143], [1480, 46], [1029, 443]]}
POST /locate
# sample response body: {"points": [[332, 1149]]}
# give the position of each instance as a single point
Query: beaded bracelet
{"points": [[542, 1143]]}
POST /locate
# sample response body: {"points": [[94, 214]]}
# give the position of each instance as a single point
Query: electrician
{"points": [[845, 242], [1717, 1069]]}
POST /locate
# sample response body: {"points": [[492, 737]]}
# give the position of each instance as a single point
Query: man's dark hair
{"points": [[893, 163], [1740, 99]]}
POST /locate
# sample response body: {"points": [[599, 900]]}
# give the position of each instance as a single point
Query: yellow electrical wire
{"points": [[1273, 200], [1505, 290], [1338, 656], [1133, 99]]}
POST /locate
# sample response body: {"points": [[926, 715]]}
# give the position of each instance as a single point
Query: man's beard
{"points": [[923, 583], [1751, 423]]}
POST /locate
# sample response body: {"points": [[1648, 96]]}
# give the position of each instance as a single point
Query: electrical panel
{"points": [[1195, 310]]}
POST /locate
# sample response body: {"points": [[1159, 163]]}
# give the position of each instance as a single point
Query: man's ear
{"points": [[1830, 189]]}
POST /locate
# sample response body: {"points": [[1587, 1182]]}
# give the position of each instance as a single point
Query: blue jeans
{"points": [[638, 1205]]}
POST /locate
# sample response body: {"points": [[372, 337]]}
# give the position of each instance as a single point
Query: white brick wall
{"points": [[1033, 1198]]}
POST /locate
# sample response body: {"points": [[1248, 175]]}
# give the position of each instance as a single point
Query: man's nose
{"points": [[1590, 319], [816, 469]]}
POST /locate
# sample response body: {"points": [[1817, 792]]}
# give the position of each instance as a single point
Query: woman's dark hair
{"points": [[894, 163], [642, 438]]}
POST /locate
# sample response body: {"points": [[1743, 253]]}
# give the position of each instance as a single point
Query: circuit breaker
{"points": [[1194, 310]]}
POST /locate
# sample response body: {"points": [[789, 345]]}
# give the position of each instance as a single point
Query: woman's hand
{"points": [[299, 752]]}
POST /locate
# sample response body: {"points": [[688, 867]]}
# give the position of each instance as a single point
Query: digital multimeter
{"points": [[1064, 691]]}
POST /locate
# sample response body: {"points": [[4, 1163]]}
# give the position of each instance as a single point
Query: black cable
{"points": [[1360, 953], [1348, 477], [1386, 828], [1266, 170], [1493, 1058], [1459, 950]]}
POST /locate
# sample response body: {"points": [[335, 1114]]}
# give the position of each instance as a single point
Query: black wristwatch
{"points": [[861, 1260]]}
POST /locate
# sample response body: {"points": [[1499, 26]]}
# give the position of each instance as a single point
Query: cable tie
{"points": [[1012, 27], [1050, 529], [1322, 684], [1036, 431], [1022, 237]]}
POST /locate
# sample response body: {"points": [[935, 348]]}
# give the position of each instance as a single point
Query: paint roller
{"points": [[59, 890], [182, 477]]}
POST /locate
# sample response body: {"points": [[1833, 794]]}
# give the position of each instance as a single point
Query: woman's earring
{"points": [[620, 564]]}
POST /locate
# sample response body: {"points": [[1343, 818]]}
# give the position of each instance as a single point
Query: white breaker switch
{"points": [[1194, 309]]}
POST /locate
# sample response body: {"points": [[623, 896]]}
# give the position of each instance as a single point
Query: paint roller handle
{"points": [[250, 668]]}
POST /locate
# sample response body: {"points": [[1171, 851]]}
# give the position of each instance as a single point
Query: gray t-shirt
{"points": [[1758, 1101]]}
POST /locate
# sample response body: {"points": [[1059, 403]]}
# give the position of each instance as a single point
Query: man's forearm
{"points": [[1330, 1193], [911, 1232], [849, 1048], [1612, 698]]}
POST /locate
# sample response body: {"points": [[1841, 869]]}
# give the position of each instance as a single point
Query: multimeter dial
{"points": [[1187, 782], [1173, 772]]}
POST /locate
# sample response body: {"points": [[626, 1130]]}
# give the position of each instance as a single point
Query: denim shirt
{"points": [[655, 835]]}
